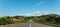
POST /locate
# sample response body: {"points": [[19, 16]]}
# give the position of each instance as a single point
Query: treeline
{"points": [[4, 20], [50, 19]]}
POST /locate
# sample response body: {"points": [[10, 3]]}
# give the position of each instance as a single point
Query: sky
{"points": [[29, 7]]}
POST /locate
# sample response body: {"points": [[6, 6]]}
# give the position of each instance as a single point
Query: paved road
{"points": [[32, 24], [39, 25], [18, 25]]}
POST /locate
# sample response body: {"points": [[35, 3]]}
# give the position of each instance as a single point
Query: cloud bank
{"points": [[36, 13]]}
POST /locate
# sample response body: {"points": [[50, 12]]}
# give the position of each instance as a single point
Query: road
{"points": [[27, 24]]}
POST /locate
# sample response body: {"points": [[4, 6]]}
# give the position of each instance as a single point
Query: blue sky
{"points": [[29, 7]]}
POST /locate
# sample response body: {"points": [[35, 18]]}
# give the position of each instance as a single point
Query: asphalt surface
{"points": [[27, 24]]}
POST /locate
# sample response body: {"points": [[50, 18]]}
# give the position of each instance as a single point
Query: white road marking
{"points": [[30, 25]]}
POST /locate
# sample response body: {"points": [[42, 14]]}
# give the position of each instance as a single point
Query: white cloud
{"points": [[40, 3], [59, 9], [27, 14], [36, 13], [48, 12], [20, 14]]}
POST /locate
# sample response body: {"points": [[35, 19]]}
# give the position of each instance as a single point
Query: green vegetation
{"points": [[4, 20], [12, 20], [50, 19]]}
